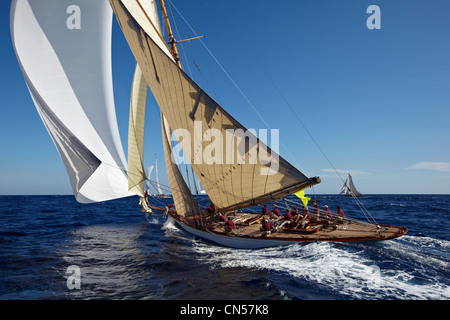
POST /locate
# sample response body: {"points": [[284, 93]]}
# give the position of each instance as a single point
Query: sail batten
{"points": [[197, 122]]}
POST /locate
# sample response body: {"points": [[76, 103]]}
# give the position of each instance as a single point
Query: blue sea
{"points": [[121, 254]]}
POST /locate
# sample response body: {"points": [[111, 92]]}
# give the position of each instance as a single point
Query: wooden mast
{"points": [[172, 41]]}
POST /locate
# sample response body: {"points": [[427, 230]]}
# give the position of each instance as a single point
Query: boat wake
{"points": [[392, 270], [406, 268]]}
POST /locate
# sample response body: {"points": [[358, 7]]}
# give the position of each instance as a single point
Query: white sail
{"points": [[145, 13], [185, 203], [64, 50], [345, 190], [138, 102]]}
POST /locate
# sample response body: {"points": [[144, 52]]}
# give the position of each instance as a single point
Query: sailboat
{"points": [[74, 99], [160, 193], [349, 190]]}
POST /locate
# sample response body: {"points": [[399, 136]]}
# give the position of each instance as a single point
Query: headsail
{"points": [[138, 101], [230, 183], [64, 50]]}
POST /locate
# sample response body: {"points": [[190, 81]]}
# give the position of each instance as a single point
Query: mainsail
{"points": [[64, 50], [190, 112]]}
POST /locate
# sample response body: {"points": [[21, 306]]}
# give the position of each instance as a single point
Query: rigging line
{"points": [[178, 35], [193, 178], [191, 75], [179, 161], [154, 184], [156, 199], [365, 212], [207, 82], [253, 107], [221, 66], [151, 22], [286, 101], [187, 176], [310, 208], [231, 79], [314, 192]]}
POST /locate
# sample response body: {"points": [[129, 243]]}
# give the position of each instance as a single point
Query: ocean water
{"points": [[121, 254]]}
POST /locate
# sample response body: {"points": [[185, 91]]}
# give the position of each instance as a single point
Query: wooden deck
{"points": [[319, 230]]}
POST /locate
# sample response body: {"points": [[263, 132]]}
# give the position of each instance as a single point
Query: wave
{"points": [[351, 271], [152, 220], [397, 204]]}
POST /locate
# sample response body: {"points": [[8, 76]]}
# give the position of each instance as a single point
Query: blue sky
{"points": [[377, 102]]}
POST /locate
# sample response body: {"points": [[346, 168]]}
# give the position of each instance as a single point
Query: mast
{"points": [[173, 43]]}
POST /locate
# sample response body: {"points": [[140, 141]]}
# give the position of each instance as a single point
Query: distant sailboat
{"points": [[160, 193], [150, 184], [74, 98], [349, 190]]}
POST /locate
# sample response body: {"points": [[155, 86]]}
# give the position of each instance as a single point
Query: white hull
{"points": [[233, 241]]}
